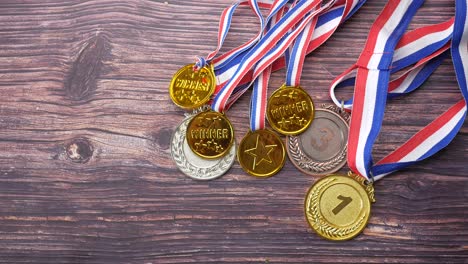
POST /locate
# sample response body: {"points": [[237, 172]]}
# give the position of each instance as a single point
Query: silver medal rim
{"points": [[191, 170], [305, 163]]}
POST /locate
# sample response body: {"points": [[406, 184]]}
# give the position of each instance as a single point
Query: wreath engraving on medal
{"points": [[322, 148], [191, 164], [338, 207]]}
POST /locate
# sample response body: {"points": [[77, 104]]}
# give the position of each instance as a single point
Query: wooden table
{"points": [[86, 174]]}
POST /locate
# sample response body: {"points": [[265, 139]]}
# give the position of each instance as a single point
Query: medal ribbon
{"points": [[371, 88], [266, 46], [431, 43], [326, 25], [260, 90], [263, 70], [225, 24], [297, 54], [294, 58], [438, 134], [266, 74]]}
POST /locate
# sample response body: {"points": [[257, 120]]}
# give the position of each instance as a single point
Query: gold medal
{"points": [[290, 110], [190, 89], [261, 153], [210, 135], [338, 207]]}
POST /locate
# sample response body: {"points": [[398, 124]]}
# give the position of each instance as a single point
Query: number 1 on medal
{"points": [[344, 202]]}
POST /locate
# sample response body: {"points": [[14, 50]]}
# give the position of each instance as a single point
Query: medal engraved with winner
{"points": [[316, 138]]}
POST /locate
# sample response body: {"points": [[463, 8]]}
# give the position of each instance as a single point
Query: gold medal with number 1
{"points": [[338, 207]]}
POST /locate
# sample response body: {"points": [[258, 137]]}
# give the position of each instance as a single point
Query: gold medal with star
{"points": [[261, 153], [290, 110]]}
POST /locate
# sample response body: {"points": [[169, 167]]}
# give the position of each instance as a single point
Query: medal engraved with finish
{"points": [[190, 88], [261, 153], [192, 165], [321, 149], [290, 110], [210, 135], [338, 207]]}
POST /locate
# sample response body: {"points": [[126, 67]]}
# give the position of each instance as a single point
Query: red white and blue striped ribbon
{"points": [[460, 46], [225, 24], [371, 94], [297, 55], [260, 88], [266, 50], [326, 25], [258, 103], [430, 43], [438, 134]]}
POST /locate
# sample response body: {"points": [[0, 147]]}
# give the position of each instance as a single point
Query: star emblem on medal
{"points": [[260, 153], [292, 95], [297, 120], [283, 123]]}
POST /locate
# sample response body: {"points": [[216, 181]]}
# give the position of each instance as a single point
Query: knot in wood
{"points": [[79, 150], [163, 137], [81, 82]]}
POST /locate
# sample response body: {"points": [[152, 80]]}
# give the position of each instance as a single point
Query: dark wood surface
{"points": [[86, 174]]}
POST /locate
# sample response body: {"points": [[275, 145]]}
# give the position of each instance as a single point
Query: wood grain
{"points": [[85, 125]]}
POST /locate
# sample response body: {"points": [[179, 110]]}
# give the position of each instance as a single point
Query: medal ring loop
{"points": [[371, 180]]}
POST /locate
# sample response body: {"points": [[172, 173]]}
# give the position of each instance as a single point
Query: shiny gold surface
{"points": [[210, 135], [338, 207], [261, 153], [290, 110], [190, 89]]}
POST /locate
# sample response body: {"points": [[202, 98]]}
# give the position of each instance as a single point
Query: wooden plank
{"points": [[85, 125]]}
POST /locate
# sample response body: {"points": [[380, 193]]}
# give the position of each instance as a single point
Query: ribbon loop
{"points": [[371, 90], [224, 26], [200, 63]]}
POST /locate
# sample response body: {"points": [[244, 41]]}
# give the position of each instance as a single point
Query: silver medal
{"points": [[194, 166]]}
